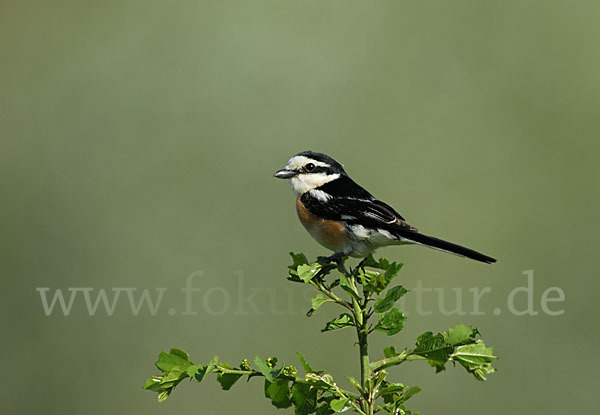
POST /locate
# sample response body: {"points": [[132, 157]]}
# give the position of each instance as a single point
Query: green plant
{"points": [[316, 391]]}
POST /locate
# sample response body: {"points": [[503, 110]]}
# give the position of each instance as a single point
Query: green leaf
{"points": [[172, 377], [168, 361], [163, 396], [317, 302], [338, 405], [460, 335], [227, 379], [153, 384], [203, 371], [346, 286], [321, 381], [304, 363], [298, 259], [391, 391], [390, 352], [434, 348], [381, 263], [192, 370], [384, 304], [308, 272], [304, 398], [476, 358], [279, 392], [180, 353], [342, 321], [324, 408], [355, 383], [413, 390], [369, 279], [267, 372], [376, 281], [391, 322], [200, 373], [212, 365], [392, 270]]}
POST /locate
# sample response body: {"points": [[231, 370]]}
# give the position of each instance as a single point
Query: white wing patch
{"points": [[386, 234], [360, 232], [320, 195], [377, 236]]}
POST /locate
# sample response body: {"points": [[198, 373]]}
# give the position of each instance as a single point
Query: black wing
{"points": [[351, 199], [378, 215], [370, 212]]}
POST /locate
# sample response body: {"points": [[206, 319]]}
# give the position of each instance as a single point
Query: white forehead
{"points": [[298, 162]]}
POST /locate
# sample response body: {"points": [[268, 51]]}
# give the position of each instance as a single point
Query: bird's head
{"points": [[309, 170]]}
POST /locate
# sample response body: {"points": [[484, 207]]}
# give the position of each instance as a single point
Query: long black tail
{"points": [[442, 245]]}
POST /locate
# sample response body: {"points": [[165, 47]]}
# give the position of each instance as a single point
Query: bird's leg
{"points": [[332, 258], [330, 262], [360, 265]]}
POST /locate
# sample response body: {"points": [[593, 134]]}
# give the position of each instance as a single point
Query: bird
{"points": [[348, 220]]}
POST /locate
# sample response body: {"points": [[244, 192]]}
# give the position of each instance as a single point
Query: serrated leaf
{"points": [[168, 361], [304, 363], [460, 335], [434, 348], [298, 259], [180, 353], [279, 392], [324, 409], [307, 272], [342, 321], [266, 371], [153, 384], [304, 398], [369, 278], [381, 263], [163, 396], [476, 358], [413, 390], [390, 351], [200, 373], [394, 294], [192, 370], [212, 365], [391, 391], [172, 376], [377, 282], [355, 383], [391, 322], [204, 371], [474, 354], [337, 405], [392, 270], [321, 381], [317, 302], [227, 380], [346, 286]]}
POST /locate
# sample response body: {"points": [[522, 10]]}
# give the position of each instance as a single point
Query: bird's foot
{"points": [[337, 258]]}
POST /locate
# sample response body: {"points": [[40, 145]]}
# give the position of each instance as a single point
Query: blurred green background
{"points": [[138, 140]]}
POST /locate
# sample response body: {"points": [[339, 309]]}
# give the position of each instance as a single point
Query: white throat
{"points": [[305, 182]]}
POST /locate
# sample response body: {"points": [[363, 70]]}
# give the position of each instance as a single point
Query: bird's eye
{"points": [[309, 167]]}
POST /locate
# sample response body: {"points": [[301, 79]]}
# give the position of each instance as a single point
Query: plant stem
{"points": [[361, 318], [331, 294], [396, 360], [364, 370]]}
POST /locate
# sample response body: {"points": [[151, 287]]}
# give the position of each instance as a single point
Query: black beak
{"points": [[285, 174]]}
